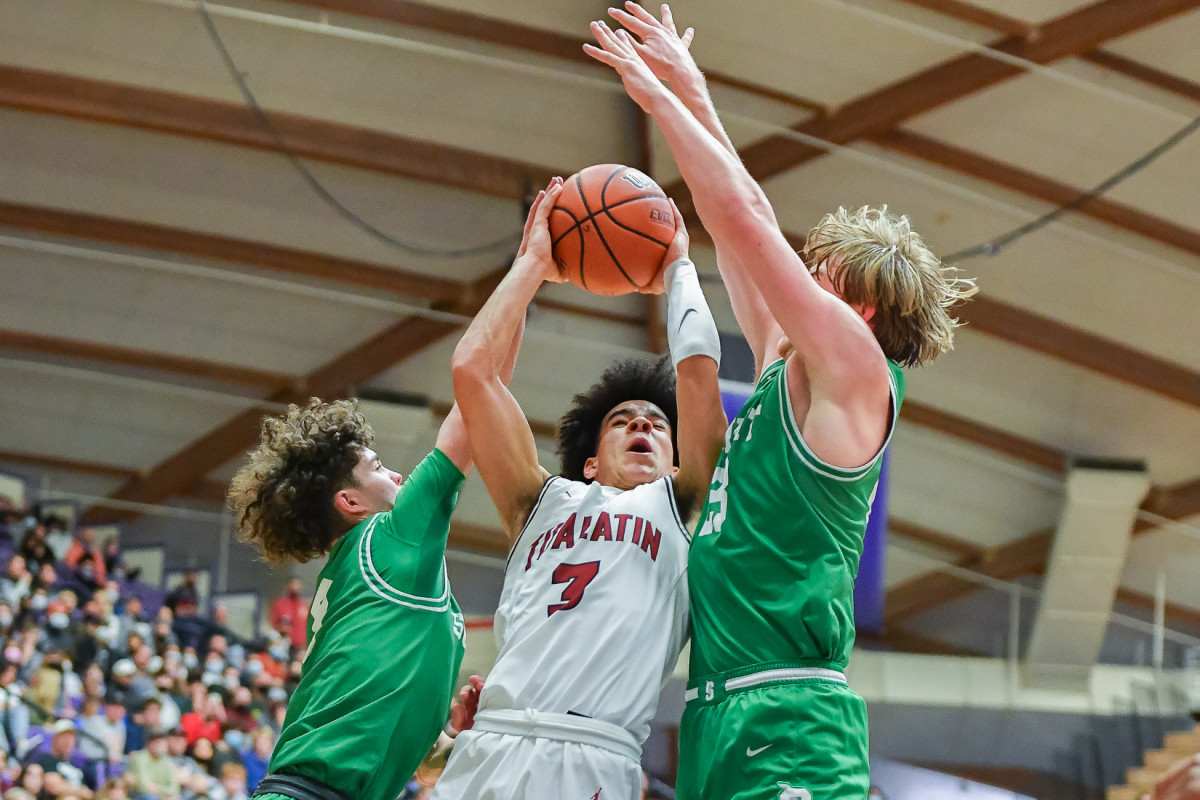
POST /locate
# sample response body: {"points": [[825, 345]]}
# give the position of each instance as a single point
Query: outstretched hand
{"points": [[536, 245], [659, 43], [617, 50]]}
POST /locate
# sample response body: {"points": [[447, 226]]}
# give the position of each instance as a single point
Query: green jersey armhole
{"points": [[812, 460]]}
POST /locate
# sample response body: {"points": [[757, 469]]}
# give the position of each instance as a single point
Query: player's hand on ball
{"points": [[678, 249], [536, 247], [617, 51], [659, 43]]}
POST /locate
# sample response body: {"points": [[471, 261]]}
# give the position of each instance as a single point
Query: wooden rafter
{"points": [[1073, 345], [207, 490], [994, 439], [42, 461], [1034, 185], [993, 317], [162, 238], [964, 552], [1026, 556], [233, 123], [913, 412], [1146, 74], [142, 359], [407, 337], [520, 37], [883, 109], [1002, 23], [976, 15]]}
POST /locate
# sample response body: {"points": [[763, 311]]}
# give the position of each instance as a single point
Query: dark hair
{"points": [[628, 379], [283, 499]]}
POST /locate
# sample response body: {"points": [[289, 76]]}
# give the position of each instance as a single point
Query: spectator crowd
{"points": [[110, 690]]}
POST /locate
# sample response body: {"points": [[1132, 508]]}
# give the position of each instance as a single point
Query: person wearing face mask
{"points": [[228, 749]]}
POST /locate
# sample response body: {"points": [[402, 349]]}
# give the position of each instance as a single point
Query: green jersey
{"points": [[385, 643], [772, 567]]}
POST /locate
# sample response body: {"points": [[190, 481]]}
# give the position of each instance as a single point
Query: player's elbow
{"points": [[743, 213], [470, 366]]}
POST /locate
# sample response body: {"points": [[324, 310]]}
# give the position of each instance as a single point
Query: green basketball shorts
{"points": [[780, 734]]}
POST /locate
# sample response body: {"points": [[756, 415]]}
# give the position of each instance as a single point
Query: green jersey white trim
{"points": [[379, 586]]}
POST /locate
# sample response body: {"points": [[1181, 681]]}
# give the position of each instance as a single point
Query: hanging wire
{"points": [[507, 242], [991, 247], [994, 246]]}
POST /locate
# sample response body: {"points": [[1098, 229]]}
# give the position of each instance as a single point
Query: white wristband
{"points": [[691, 329]]}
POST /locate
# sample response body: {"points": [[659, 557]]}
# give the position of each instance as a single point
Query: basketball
{"points": [[611, 228]]}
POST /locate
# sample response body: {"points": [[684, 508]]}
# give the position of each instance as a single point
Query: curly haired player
{"points": [[385, 634]]}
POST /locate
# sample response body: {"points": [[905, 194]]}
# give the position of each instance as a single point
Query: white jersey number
{"points": [[718, 491], [320, 605]]}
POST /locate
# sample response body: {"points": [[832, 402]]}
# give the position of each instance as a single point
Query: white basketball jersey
{"points": [[594, 609]]}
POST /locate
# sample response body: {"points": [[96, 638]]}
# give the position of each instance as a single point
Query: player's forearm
{"points": [[488, 348], [692, 91], [722, 190]]}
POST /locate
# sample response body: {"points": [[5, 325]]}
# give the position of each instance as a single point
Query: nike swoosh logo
{"points": [[689, 311], [752, 753]]}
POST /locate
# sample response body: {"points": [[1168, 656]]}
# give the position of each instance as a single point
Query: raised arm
{"points": [[452, 436], [670, 59], [501, 440], [837, 349], [696, 352]]}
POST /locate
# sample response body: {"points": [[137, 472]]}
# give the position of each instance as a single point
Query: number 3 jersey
{"points": [[594, 610]]}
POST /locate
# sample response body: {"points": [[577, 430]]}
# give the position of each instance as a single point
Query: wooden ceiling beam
{"points": [[236, 124], [142, 359], [1033, 185], [216, 447], [1083, 349], [42, 461], [1028, 555], [903, 641], [1002, 23], [1146, 74], [1175, 613], [883, 109], [975, 15], [541, 41], [994, 439], [965, 552], [122, 232]]}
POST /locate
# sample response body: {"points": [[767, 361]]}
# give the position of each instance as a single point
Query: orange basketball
{"points": [[611, 228]]}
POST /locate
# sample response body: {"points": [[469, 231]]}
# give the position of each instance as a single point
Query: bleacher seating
{"points": [[1139, 781]]}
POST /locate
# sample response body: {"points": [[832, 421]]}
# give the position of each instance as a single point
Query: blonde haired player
{"points": [[593, 613], [772, 568]]}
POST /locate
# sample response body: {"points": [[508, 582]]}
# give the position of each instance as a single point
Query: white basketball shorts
{"points": [[529, 755]]}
